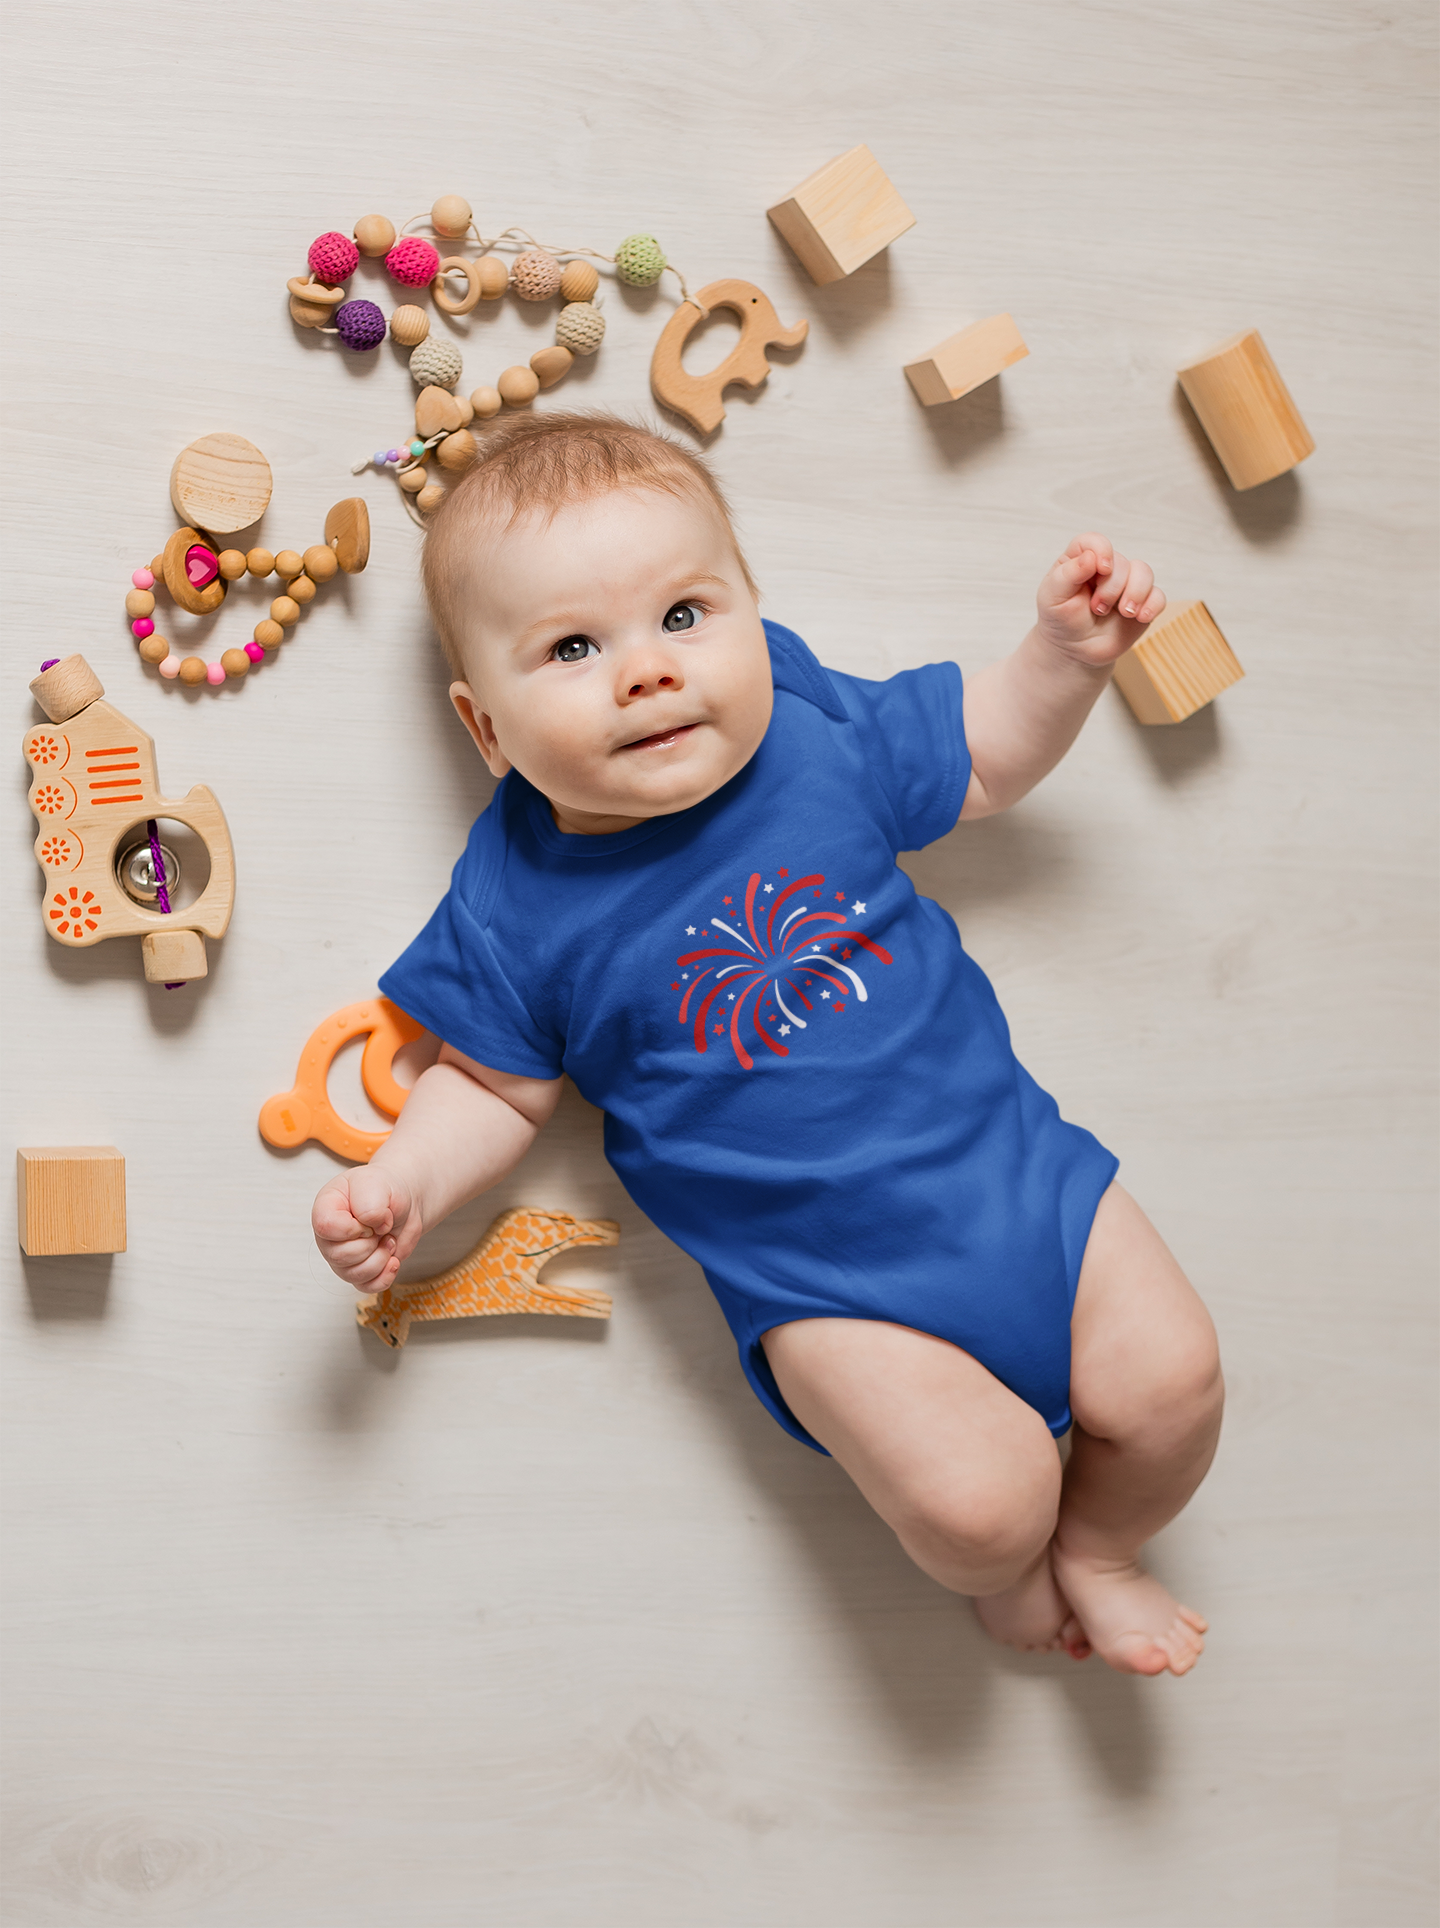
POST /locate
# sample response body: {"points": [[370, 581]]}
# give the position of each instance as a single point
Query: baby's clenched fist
{"points": [[364, 1225]]}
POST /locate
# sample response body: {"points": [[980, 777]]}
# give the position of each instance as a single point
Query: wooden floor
{"points": [[549, 1625]]}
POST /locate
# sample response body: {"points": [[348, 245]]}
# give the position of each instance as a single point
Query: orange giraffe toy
{"points": [[500, 1275]]}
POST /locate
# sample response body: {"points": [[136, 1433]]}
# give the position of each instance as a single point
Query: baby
{"points": [[686, 878]]}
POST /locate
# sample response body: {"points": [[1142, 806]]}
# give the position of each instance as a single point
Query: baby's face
{"points": [[615, 657]]}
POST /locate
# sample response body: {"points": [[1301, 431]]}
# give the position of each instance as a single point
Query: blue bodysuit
{"points": [[806, 1082]]}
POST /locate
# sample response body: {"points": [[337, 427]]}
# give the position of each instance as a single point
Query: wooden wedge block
{"points": [[964, 361], [71, 1199], [1180, 664], [842, 216], [1246, 410]]}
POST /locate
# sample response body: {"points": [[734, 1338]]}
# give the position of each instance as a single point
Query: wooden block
{"points": [[174, 957], [1246, 410], [221, 483], [1180, 664], [71, 1199], [842, 216], [964, 361]]}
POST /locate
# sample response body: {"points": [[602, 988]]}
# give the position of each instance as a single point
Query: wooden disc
{"points": [[221, 483], [347, 531], [199, 602]]}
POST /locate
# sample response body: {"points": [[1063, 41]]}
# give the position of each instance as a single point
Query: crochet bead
{"points": [[360, 325], [169, 668], [451, 216], [287, 564], [536, 275], [333, 258], [518, 386], [412, 262], [580, 328], [320, 562], [375, 235], [232, 564], [215, 672], [143, 579], [550, 365], [430, 499], [255, 652], [640, 260], [139, 602], [579, 281], [260, 562], [494, 276], [435, 363], [143, 628], [268, 633], [409, 326], [236, 662], [192, 670], [486, 402], [154, 649]]}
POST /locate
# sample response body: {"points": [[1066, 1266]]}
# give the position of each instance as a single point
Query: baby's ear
{"points": [[480, 727]]}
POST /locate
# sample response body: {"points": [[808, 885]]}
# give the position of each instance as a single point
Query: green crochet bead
{"points": [[640, 260]]}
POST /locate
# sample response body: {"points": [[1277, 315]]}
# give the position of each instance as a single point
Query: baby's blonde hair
{"points": [[542, 462]]}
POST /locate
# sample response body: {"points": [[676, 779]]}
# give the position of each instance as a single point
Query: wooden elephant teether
{"points": [[305, 1111], [697, 397], [94, 789], [500, 1275]]}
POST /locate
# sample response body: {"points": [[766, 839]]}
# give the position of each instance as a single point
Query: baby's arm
{"points": [[1023, 713], [463, 1127]]}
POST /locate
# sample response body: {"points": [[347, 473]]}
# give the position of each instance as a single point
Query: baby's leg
{"points": [[965, 1473], [1146, 1393]]}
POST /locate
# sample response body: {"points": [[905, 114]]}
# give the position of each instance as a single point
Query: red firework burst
{"points": [[776, 956]]}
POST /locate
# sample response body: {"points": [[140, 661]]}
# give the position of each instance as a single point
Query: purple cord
{"points": [[50, 665], [162, 895]]}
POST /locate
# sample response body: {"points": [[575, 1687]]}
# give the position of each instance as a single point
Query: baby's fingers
{"points": [[373, 1274]]}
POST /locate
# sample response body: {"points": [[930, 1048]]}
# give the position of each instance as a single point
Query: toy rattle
{"points": [[94, 789], [697, 397], [500, 1275], [218, 485]]}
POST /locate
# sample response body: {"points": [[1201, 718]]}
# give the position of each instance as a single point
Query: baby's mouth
{"points": [[662, 739]]}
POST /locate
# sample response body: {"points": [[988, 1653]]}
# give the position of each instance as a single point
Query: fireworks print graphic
{"points": [[776, 965]]}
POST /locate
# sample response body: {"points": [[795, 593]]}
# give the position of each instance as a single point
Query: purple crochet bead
{"points": [[360, 324]]}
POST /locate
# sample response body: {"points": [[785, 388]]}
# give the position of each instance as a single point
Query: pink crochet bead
{"points": [[413, 262], [170, 667], [333, 258], [214, 672], [143, 579], [256, 652], [142, 627]]}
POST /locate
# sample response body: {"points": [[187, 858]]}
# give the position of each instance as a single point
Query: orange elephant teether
{"points": [[305, 1111], [697, 397]]}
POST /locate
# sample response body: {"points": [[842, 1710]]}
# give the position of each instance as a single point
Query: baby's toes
{"points": [[1193, 1619]]}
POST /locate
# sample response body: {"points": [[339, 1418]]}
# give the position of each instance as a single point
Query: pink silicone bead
{"points": [[256, 652], [170, 668], [142, 627], [214, 672], [143, 579]]}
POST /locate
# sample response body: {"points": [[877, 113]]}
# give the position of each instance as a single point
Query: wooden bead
{"points": [[220, 484], [193, 670], [414, 480], [551, 364], [138, 603], [494, 276], [447, 303], [409, 326], [429, 500], [157, 567], [374, 235], [315, 294], [288, 563], [457, 451], [268, 634], [518, 386], [302, 590], [320, 563], [309, 314], [232, 564], [467, 410], [451, 216], [347, 532], [284, 610], [486, 402], [154, 649], [235, 662], [260, 562], [579, 281], [436, 412]]}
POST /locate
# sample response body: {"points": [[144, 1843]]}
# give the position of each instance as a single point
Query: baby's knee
{"points": [[978, 1535]]}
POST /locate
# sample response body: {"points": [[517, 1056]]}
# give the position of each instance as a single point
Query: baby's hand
{"points": [[1094, 603], [365, 1224]]}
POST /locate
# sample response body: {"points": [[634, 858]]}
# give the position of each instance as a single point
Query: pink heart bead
{"points": [[202, 566]]}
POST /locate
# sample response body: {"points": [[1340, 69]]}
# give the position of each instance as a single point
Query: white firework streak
{"points": [[786, 1008], [732, 933], [799, 911], [730, 970], [823, 957]]}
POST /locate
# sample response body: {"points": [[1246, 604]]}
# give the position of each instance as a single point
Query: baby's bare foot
{"points": [[1127, 1616], [1031, 1614]]}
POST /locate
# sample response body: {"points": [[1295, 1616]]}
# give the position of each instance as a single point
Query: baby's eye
{"points": [[683, 616], [572, 649]]}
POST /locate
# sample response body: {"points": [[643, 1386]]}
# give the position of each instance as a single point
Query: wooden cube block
{"points": [[173, 957], [71, 1199], [1180, 664], [1246, 410], [975, 355], [842, 216]]}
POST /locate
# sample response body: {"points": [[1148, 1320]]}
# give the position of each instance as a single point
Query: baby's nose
{"points": [[660, 683]]}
